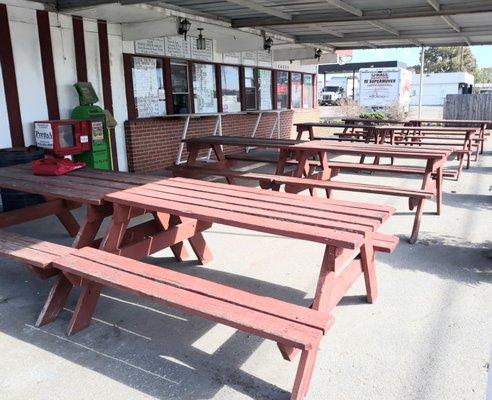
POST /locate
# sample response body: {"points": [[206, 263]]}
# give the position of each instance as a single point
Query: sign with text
{"points": [[150, 46]]}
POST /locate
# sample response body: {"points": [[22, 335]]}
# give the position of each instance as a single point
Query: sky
{"points": [[410, 55]]}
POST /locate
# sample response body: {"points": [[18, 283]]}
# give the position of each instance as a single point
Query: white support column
{"points": [[183, 136], [255, 129], [421, 90]]}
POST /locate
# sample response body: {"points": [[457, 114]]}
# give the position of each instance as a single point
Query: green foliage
{"points": [[483, 75], [448, 59], [374, 115]]}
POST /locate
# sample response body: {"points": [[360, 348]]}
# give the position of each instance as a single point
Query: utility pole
{"points": [[421, 90], [462, 58]]}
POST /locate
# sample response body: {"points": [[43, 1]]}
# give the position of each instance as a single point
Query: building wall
{"points": [[437, 86], [29, 74], [153, 144]]}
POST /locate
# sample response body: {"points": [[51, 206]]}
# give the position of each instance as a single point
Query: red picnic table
{"points": [[182, 209], [481, 124], [433, 157]]}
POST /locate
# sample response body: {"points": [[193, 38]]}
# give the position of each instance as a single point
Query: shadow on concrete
{"points": [[445, 256], [145, 346]]}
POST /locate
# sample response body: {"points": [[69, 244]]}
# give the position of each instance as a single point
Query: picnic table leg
{"points": [[323, 300], [197, 243], [369, 268], [193, 151], [420, 204], [117, 228], [94, 217], [439, 181], [56, 300], [86, 305], [166, 221], [66, 218], [304, 373], [221, 158]]}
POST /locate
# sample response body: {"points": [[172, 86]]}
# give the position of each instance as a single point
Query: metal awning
{"points": [[341, 24]]}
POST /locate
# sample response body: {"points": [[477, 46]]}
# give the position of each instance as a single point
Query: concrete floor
{"points": [[427, 336]]}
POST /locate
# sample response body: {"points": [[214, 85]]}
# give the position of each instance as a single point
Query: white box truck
{"points": [[381, 88]]}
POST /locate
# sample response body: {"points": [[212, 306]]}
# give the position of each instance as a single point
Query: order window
{"points": [[204, 88], [296, 84], [231, 97], [265, 89], [180, 87], [250, 88], [282, 89]]}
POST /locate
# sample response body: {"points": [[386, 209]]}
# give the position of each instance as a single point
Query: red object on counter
{"points": [[55, 166]]}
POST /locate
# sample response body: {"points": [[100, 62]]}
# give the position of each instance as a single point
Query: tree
{"points": [[483, 75], [448, 59]]}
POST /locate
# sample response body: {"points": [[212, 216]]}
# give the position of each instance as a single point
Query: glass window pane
{"points": [[148, 87], [307, 101], [265, 89], [180, 87], [282, 89], [296, 83], [231, 98], [250, 88], [204, 88]]}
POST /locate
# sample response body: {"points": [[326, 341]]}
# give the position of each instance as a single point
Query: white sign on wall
{"points": [[232, 58], [264, 59], [203, 55], [249, 57], [150, 46], [176, 46]]}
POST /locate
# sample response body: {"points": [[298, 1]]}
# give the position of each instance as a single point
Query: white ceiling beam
{"points": [[434, 4], [326, 30], [385, 27], [262, 9], [369, 44], [346, 7], [415, 42], [451, 22]]}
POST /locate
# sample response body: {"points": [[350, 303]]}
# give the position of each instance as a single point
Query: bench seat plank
{"points": [[241, 317], [266, 305]]}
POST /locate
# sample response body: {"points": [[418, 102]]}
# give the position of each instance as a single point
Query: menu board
{"points": [[249, 57], [232, 58], [176, 46], [150, 46], [265, 88], [203, 55], [264, 59], [148, 87], [204, 88]]}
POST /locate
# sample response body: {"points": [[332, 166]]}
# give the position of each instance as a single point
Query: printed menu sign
{"points": [[232, 58], [176, 46], [203, 55], [249, 57], [264, 59], [150, 46], [148, 87]]}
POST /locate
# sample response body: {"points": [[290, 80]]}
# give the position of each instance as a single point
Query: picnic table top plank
{"points": [[246, 141], [459, 121], [268, 305], [374, 149], [154, 202], [316, 203], [272, 200], [262, 209]]}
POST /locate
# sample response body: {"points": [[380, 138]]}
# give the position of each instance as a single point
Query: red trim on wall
{"points": [[10, 81], [79, 42], [102, 32], [47, 63]]}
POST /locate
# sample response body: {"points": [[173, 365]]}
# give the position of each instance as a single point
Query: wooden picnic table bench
{"points": [[290, 325], [434, 159]]}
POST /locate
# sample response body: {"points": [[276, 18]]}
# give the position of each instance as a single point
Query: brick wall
{"points": [[153, 144]]}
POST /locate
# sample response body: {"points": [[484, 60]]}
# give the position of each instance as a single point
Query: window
{"points": [[148, 87], [250, 88], [180, 88], [282, 89], [231, 98], [296, 84], [307, 93], [265, 89], [204, 88]]}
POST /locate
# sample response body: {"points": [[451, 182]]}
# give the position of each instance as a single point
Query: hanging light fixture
{"points": [[267, 43], [184, 27], [317, 53], [201, 43]]}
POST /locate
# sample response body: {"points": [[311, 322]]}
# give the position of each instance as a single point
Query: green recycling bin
{"points": [[99, 157]]}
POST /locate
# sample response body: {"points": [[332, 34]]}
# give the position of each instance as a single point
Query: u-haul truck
{"points": [[380, 88]]}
